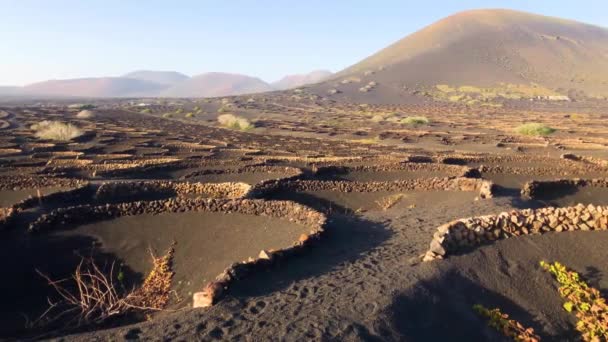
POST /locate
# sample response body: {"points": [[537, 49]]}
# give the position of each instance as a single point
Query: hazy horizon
{"points": [[268, 40]]}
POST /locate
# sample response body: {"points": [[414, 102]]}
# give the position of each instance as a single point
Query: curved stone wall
{"points": [[534, 189], [14, 182], [213, 291], [109, 192], [288, 171], [484, 187], [451, 170], [462, 234]]}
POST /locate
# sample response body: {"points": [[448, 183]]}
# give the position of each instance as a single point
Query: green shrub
{"points": [[167, 115], [146, 111], [189, 115], [55, 130], [534, 129], [415, 121]]}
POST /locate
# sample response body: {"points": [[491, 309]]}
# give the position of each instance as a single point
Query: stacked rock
{"points": [[462, 234]]}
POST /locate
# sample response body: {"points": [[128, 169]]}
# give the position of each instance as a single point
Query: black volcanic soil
{"points": [[363, 279], [206, 243], [363, 283]]}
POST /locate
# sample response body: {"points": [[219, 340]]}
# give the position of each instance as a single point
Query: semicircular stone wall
{"points": [[463, 234]]}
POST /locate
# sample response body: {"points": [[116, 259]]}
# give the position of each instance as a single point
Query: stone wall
{"points": [[586, 159], [111, 192], [213, 291], [535, 189], [15, 182], [451, 170], [462, 234], [288, 171], [484, 187]]}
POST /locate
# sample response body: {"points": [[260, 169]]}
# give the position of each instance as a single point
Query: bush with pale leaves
{"points": [[56, 130], [234, 122]]}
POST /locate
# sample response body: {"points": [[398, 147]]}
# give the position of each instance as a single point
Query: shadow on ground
{"points": [[440, 309], [346, 238]]}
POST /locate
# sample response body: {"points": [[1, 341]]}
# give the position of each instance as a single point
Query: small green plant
{"points": [[584, 301], [146, 111], [415, 121], [534, 129], [168, 115], [179, 111], [509, 327], [189, 115]]}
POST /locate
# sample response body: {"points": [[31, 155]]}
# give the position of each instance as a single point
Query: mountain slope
{"points": [[217, 84], [486, 47], [294, 81], [160, 77], [95, 87]]}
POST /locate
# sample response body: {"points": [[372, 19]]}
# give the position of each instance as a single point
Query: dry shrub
{"points": [[509, 327], [92, 295], [85, 114], [388, 202], [415, 121], [234, 122], [55, 130], [154, 292]]}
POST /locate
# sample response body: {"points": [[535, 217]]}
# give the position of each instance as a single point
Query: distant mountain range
{"points": [[149, 83]]}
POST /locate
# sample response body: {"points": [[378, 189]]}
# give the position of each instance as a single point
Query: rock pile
{"points": [[465, 233]]}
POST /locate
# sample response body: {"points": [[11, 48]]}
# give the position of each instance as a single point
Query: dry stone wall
{"points": [[212, 292], [15, 182], [110, 192], [462, 234], [534, 189], [484, 187]]}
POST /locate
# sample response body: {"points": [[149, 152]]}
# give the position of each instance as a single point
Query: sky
{"points": [[58, 39]]}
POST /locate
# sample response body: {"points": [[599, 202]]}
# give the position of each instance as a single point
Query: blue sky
{"points": [[54, 39]]}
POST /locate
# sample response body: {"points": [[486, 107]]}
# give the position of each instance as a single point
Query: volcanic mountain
{"points": [[94, 87], [160, 77], [217, 84], [487, 48], [294, 81]]}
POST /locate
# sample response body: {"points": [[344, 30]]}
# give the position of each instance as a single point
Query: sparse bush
{"points": [[55, 130], [377, 118], [85, 114], [584, 301], [146, 111], [234, 122], [388, 202], [96, 295], [189, 115], [509, 327], [168, 115], [534, 129], [415, 121]]}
